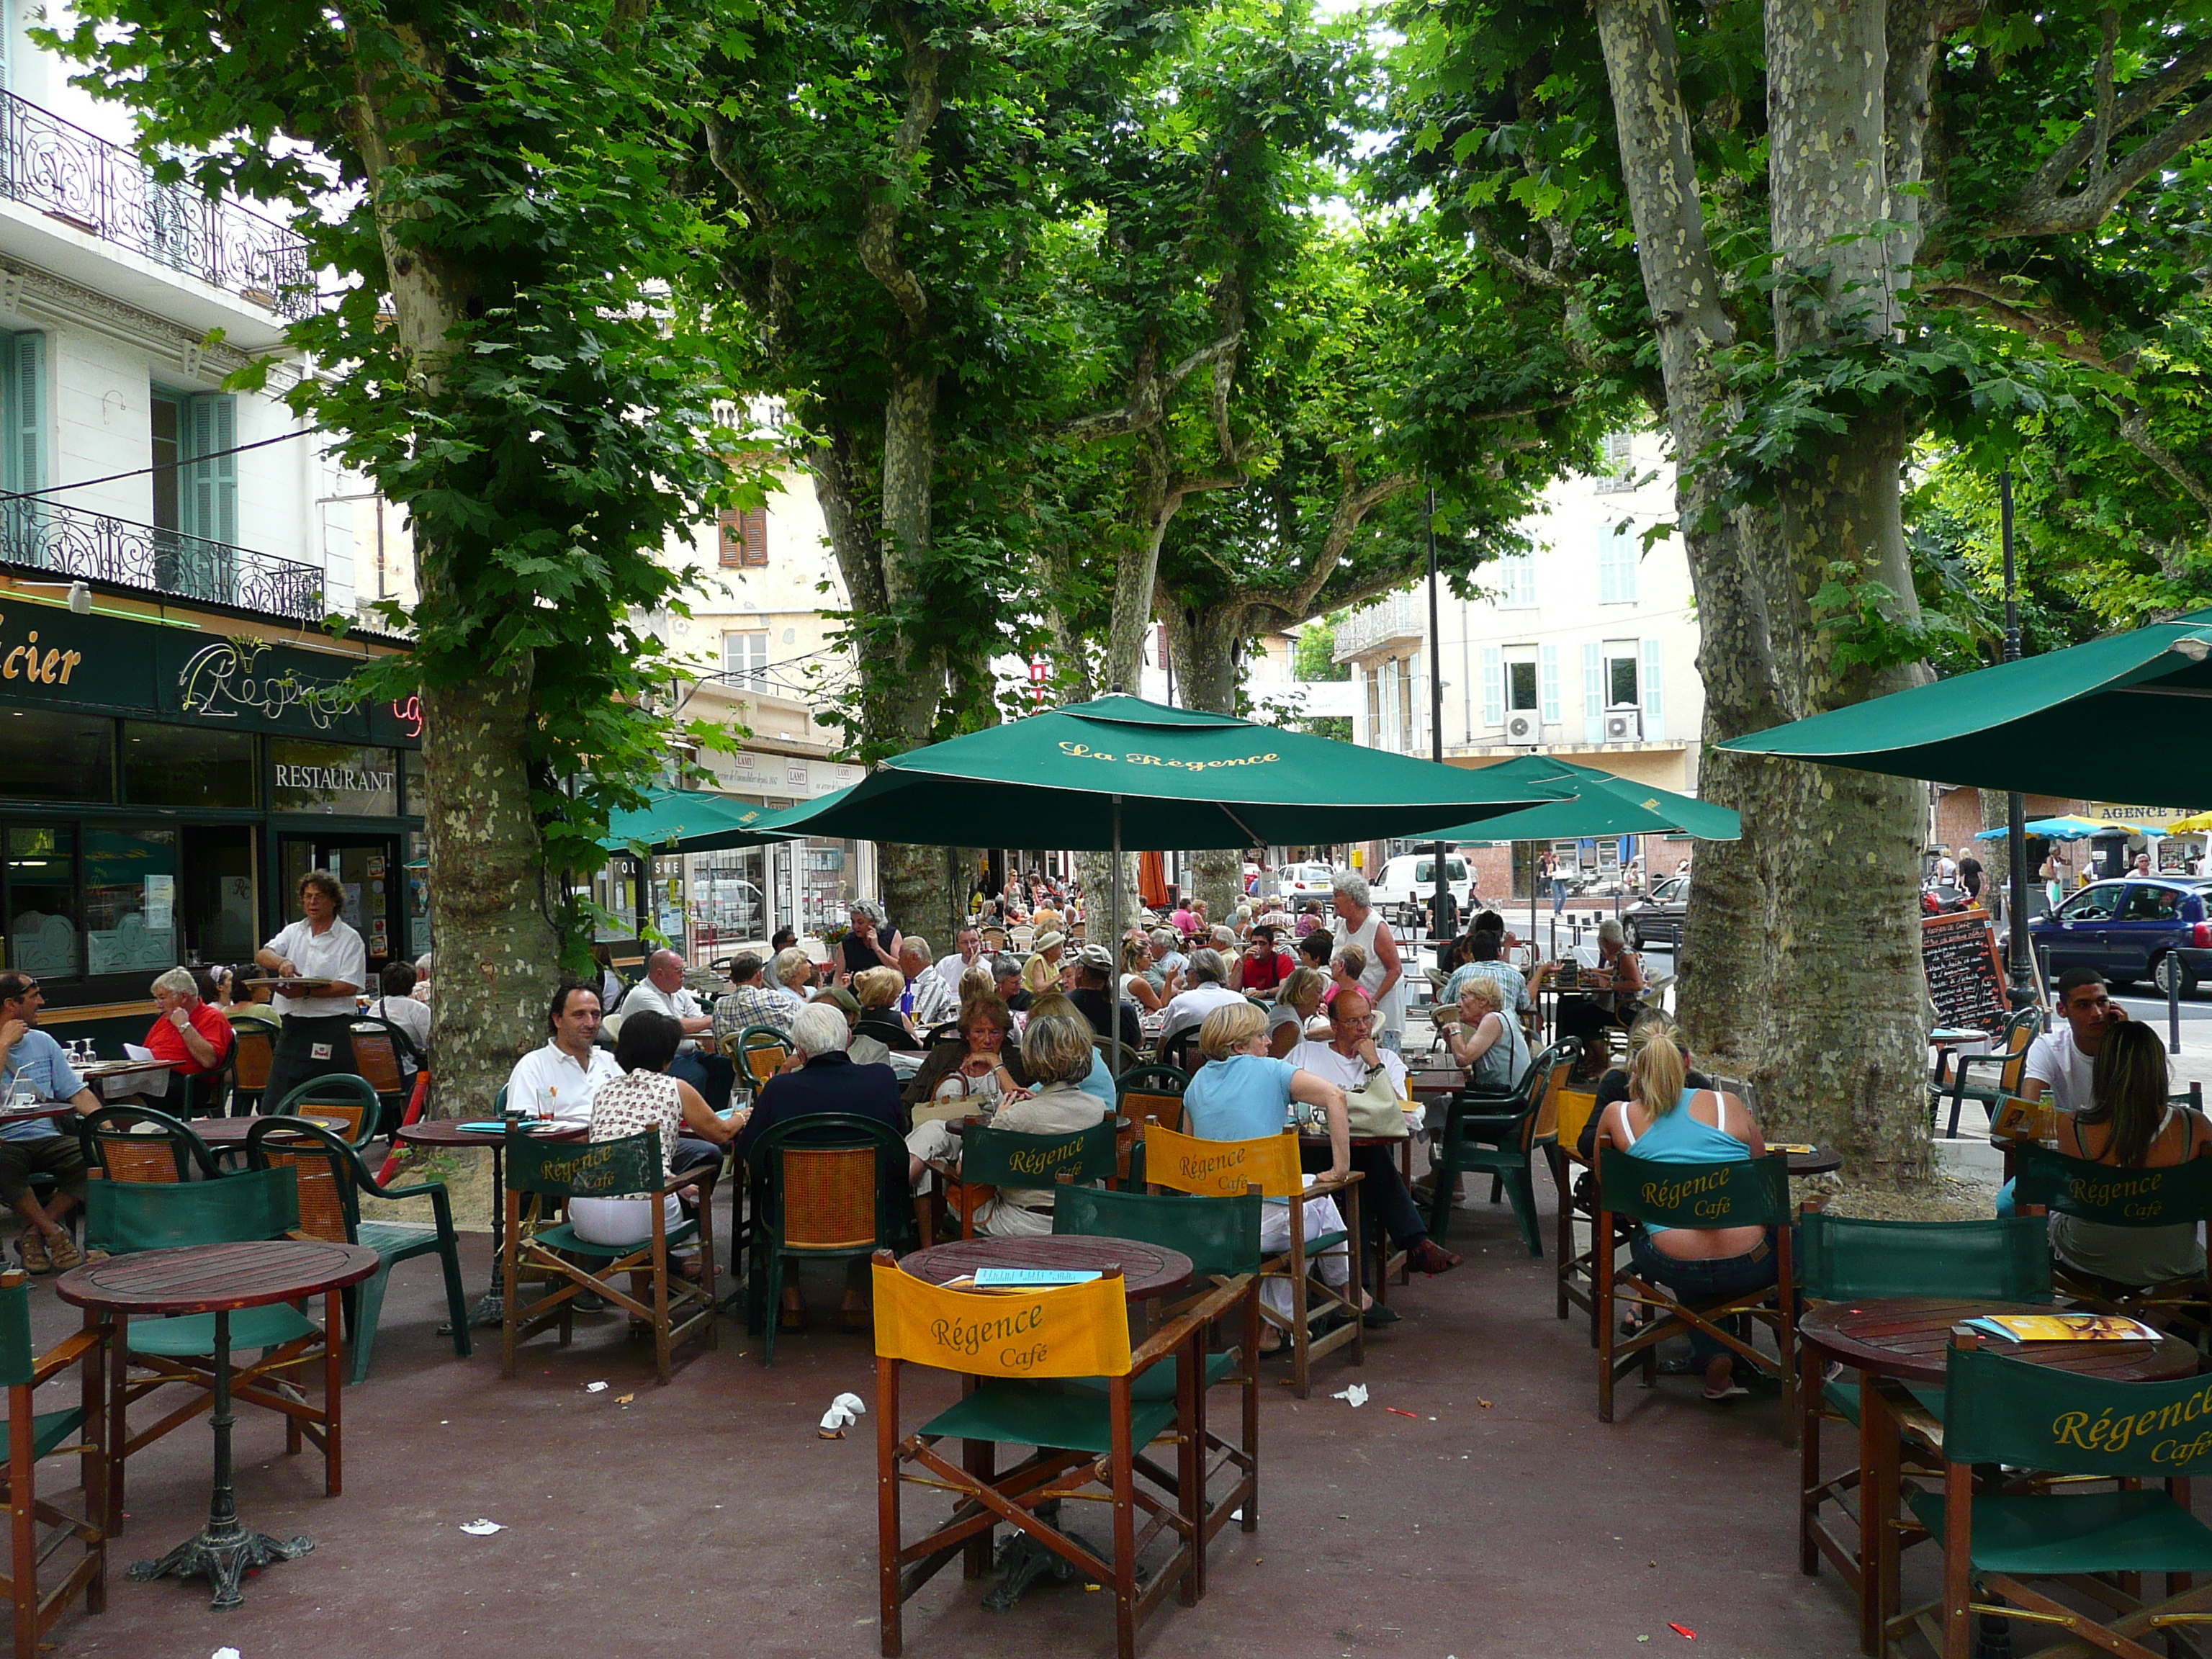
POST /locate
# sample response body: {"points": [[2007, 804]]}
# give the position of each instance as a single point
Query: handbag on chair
{"points": [[1374, 1110]]}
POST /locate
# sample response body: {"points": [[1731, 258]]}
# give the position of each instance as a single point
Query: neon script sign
{"points": [[218, 681], [1084, 752]]}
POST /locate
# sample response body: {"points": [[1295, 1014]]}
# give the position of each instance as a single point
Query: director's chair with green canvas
{"points": [[37, 1528], [536, 1251], [1221, 1236], [2166, 1196], [1750, 1192], [1015, 1355], [1999, 1412], [2007, 1259]]}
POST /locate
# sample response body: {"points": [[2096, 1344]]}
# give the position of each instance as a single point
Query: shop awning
{"points": [[689, 821]]}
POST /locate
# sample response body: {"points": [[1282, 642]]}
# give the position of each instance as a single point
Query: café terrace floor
{"points": [[1500, 1518]]}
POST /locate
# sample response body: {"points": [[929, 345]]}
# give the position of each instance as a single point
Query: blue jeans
{"points": [[1559, 895], [1717, 1280]]}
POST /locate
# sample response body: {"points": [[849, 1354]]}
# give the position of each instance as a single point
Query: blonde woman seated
{"points": [[1665, 1120], [647, 1097], [979, 1071], [878, 990], [1345, 970], [1487, 1040], [1136, 960], [1243, 1092], [1297, 1001], [1056, 1054]]}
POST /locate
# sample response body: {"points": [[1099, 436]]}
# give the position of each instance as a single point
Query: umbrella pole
{"points": [[1114, 976]]}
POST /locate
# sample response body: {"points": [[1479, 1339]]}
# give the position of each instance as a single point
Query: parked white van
{"points": [[1408, 882]]}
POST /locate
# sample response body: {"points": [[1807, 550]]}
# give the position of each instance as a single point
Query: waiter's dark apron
{"points": [[307, 1048]]}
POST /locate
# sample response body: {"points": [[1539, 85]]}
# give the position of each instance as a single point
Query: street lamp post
{"points": [[1436, 852], [2020, 961]]}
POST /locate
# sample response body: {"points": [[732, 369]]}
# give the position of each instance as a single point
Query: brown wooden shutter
{"points": [[753, 536], [730, 537]]}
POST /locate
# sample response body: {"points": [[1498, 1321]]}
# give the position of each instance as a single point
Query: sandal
{"points": [[62, 1252], [1430, 1257], [31, 1247]]}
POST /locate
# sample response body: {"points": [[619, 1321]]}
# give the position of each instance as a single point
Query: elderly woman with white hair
{"points": [[1487, 1040], [1610, 982], [1057, 1054], [1383, 978], [187, 1035], [1209, 989]]}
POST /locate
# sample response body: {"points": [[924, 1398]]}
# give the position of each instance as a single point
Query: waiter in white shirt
{"points": [[316, 1037]]}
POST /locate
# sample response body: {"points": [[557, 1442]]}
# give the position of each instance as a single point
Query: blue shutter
{"points": [[1547, 682], [1616, 565], [209, 501], [1493, 687], [23, 461], [1593, 694], [1655, 705]]}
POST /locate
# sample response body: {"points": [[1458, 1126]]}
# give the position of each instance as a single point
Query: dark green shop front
{"points": [[163, 787]]}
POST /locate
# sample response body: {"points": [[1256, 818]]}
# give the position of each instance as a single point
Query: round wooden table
{"points": [[1909, 1338], [44, 1108], [231, 1132], [1821, 1160], [490, 1311], [1147, 1270], [220, 1279]]}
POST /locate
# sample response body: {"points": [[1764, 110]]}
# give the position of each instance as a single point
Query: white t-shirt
{"points": [[1347, 1072], [949, 968], [2056, 1061], [409, 1016], [549, 1081], [679, 1004], [337, 953], [1188, 1008]]}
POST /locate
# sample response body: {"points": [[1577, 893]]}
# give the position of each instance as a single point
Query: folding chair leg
{"points": [[773, 1315]]}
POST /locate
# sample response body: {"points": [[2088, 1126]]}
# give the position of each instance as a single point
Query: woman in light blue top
{"points": [[1691, 1125], [1244, 1093]]}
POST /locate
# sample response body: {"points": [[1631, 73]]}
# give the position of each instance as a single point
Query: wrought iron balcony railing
{"points": [[106, 190], [64, 541]]}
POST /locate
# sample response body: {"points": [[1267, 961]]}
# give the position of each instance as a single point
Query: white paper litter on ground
{"points": [[595, 1388], [1354, 1396], [481, 1528], [224, 1653], [843, 1412]]}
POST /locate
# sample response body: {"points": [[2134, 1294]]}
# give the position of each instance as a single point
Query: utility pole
{"points": [[1440, 849]]}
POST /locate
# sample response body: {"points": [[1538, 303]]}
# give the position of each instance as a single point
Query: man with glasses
{"points": [[31, 1062], [2060, 1061]]}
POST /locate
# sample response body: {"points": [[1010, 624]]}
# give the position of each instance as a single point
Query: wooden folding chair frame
{"points": [[34, 1612]]}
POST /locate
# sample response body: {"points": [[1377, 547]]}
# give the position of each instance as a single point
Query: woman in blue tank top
{"points": [[1694, 1126]]}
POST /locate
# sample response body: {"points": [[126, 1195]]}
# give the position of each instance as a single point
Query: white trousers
{"points": [[624, 1220], [1321, 1216]]}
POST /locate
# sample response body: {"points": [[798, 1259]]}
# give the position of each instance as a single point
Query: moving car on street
{"points": [[2131, 928], [1657, 919]]}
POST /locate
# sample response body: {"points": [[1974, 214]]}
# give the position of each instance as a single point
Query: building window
{"points": [[42, 902], [743, 539], [1616, 564], [1521, 683], [46, 755], [333, 778], [1620, 675], [1619, 470], [1374, 678], [1517, 579], [745, 660], [187, 766]]}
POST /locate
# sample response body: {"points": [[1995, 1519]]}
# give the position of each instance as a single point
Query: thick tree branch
{"points": [[2135, 427], [1149, 390], [878, 240], [1994, 298], [2040, 210]]}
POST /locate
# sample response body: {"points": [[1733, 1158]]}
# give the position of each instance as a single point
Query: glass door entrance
{"points": [[368, 869]]}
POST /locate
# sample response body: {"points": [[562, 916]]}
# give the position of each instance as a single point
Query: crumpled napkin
{"points": [[843, 1412], [1354, 1396]]}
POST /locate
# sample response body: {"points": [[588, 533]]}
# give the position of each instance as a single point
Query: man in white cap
{"points": [[1093, 997]]}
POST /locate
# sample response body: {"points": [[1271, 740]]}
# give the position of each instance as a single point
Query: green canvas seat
{"points": [[191, 1336], [1839, 1257], [41, 1530], [332, 1177], [1029, 1417], [561, 1235], [2000, 1410], [2110, 1197]]}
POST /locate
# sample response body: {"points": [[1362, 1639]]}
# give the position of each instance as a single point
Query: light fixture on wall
{"points": [[80, 594]]}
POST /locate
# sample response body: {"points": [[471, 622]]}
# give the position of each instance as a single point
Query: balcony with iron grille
{"points": [[58, 541], [1398, 616], [74, 180]]}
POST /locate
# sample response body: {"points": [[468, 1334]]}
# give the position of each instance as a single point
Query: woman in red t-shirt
{"points": [[190, 1036]]}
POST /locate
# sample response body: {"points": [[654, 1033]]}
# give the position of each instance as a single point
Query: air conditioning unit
{"points": [[1521, 728], [1624, 725]]}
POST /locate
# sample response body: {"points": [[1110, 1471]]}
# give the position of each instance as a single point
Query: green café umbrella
{"points": [[2107, 720], [1122, 774], [1601, 803], [688, 821]]}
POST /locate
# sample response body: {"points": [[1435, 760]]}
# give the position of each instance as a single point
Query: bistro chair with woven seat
{"points": [[40, 1529], [1146, 1094], [1222, 1169], [1999, 1411], [341, 1098], [828, 1188], [332, 1179], [1016, 1355], [1745, 1192], [386, 1058], [254, 1049], [759, 1053], [124, 1217], [2006, 1067], [992, 1159], [2166, 1196], [535, 1250], [137, 1144], [1176, 1051], [1221, 1236], [1498, 1135], [1841, 1258]]}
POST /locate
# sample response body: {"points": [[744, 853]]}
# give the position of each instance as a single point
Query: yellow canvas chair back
{"points": [[1073, 1330], [1223, 1168]]}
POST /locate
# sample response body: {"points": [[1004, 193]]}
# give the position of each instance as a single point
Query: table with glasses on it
{"points": [[1907, 1339]]}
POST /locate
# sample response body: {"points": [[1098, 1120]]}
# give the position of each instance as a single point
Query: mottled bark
{"points": [[1205, 643]]}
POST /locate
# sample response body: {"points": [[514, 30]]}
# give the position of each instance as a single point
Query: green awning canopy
{"points": [[1601, 804], [1185, 778], [688, 821], [2108, 720]]}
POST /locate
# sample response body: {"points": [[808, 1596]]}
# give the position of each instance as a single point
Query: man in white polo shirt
{"points": [[2059, 1062], [559, 1080]]}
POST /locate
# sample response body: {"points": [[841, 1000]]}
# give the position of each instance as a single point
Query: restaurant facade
{"points": [[167, 777]]}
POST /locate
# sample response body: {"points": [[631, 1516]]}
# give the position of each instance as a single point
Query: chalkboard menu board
{"points": [[1965, 981]]}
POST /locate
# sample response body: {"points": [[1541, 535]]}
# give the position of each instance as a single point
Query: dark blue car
{"points": [[2131, 928]]}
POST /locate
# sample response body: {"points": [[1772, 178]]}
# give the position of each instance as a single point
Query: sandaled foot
{"points": [[791, 1319], [31, 1247], [1430, 1257], [61, 1251], [1720, 1381]]}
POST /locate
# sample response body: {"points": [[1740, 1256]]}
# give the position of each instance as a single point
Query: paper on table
{"points": [[132, 1051]]}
